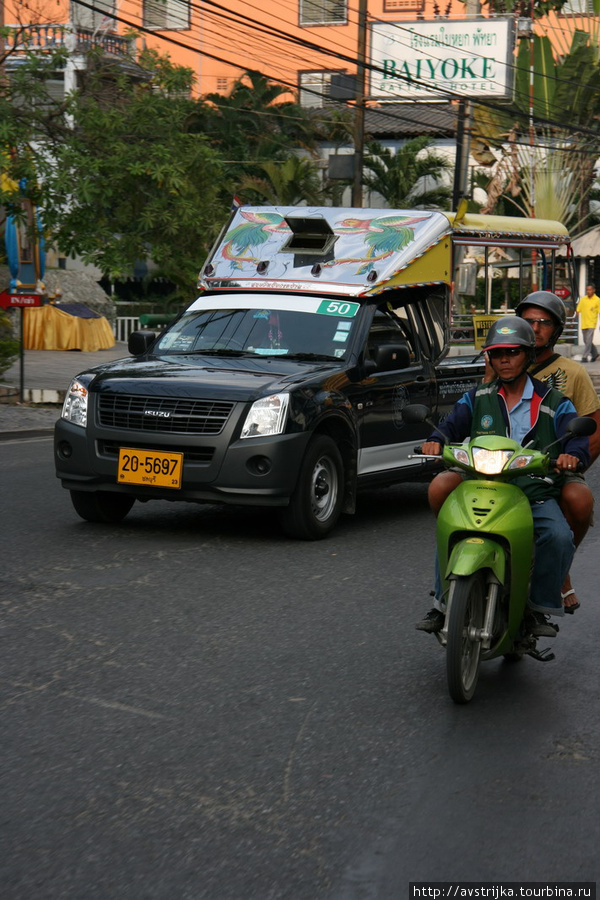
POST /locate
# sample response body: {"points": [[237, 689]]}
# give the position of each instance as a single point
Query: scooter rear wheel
{"points": [[463, 649]]}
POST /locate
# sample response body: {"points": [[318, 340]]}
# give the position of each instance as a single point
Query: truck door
{"points": [[385, 440]]}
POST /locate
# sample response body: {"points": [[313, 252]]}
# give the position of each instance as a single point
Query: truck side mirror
{"points": [[139, 342], [388, 357]]}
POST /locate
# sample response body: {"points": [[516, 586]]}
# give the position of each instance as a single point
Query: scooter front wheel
{"points": [[463, 648]]}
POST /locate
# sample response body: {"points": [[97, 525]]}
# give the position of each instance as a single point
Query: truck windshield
{"points": [[309, 328]]}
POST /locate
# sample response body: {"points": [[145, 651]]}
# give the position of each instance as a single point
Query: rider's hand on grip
{"points": [[431, 448], [566, 463]]}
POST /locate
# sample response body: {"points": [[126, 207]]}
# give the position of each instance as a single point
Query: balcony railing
{"points": [[21, 39]]}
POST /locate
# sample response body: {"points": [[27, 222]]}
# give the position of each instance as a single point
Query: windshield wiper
{"points": [[313, 356], [222, 351]]}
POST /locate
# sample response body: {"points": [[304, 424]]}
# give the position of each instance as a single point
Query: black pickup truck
{"points": [[283, 384]]}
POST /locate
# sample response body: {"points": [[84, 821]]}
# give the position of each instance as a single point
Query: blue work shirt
{"points": [[520, 414]]}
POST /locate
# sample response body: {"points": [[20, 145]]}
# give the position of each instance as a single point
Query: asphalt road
{"points": [[195, 708]]}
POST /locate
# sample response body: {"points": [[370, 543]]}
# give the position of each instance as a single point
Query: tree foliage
{"points": [[523, 8], [411, 177], [32, 125], [293, 181], [551, 167], [252, 125], [131, 182]]}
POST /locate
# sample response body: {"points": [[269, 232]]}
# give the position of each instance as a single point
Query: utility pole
{"points": [[359, 115], [463, 130], [463, 146]]}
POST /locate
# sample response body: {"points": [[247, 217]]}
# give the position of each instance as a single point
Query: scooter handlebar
{"points": [[419, 450], [578, 468]]}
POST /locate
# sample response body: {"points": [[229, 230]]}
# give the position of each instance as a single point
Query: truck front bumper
{"points": [[254, 471]]}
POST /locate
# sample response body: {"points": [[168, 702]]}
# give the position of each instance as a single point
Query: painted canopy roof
{"points": [[370, 246]]}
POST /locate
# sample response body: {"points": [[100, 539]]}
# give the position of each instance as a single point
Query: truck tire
{"points": [[316, 503], [101, 506]]}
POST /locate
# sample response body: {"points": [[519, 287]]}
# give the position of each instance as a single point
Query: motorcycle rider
{"points": [[517, 406], [546, 314]]}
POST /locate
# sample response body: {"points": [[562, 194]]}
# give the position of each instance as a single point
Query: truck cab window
{"points": [[435, 312], [389, 329]]}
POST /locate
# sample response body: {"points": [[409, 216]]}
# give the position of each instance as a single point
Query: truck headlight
{"points": [[267, 416], [75, 406]]}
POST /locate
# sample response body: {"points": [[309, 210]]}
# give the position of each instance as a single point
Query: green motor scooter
{"points": [[485, 544]]}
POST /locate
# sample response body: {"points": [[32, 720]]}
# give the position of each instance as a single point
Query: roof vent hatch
{"points": [[310, 236]]}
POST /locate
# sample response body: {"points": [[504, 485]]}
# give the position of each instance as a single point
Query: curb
{"points": [[33, 395], [25, 432]]}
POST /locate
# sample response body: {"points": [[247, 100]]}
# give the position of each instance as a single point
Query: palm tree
{"points": [[293, 181], [410, 178], [253, 122], [552, 175]]}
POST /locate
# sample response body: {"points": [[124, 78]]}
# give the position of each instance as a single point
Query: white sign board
{"points": [[441, 60]]}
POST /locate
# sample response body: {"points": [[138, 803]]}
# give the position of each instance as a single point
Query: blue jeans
{"points": [[554, 551]]}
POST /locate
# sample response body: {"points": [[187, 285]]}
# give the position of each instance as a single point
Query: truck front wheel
{"points": [[316, 503], [101, 506]]}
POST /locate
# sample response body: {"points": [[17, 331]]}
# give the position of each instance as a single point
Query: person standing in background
{"points": [[588, 309]]}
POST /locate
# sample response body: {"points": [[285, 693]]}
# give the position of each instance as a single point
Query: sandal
{"points": [[573, 606]]}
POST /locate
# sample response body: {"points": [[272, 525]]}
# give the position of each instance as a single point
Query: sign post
{"points": [[24, 301]]}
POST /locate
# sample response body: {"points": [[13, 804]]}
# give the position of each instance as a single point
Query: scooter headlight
{"points": [[490, 462]]}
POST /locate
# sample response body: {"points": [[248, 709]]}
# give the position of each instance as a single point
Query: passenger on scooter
{"points": [[517, 406], [546, 314]]}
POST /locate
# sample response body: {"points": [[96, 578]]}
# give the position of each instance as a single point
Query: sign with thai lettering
{"points": [[7, 298], [25, 300], [441, 60]]}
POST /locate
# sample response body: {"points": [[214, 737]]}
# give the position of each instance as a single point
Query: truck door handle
{"points": [[421, 379]]}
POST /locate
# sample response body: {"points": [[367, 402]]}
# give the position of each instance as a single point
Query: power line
{"points": [[397, 25], [342, 56]]}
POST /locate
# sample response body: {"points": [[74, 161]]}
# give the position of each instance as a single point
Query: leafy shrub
{"points": [[9, 348]]}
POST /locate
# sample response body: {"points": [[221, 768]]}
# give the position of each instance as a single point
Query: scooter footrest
{"points": [[542, 655]]}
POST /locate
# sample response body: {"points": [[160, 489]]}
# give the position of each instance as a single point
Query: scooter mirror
{"points": [[416, 413], [582, 426]]}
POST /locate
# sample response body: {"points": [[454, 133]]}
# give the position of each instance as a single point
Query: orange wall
{"points": [[221, 44]]}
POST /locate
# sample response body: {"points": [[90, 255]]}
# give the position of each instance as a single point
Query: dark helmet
{"points": [[510, 331], [552, 304]]}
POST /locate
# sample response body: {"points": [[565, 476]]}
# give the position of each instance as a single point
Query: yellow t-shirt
{"points": [[571, 379], [588, 309]]}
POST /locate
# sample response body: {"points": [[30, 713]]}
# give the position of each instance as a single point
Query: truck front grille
{"points": [[163, 415], [110, 449]]}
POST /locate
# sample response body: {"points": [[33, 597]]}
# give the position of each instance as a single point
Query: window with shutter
{"points": [[314, 88], [95, 19], [323, 12], [166, 15], [578, 8]]}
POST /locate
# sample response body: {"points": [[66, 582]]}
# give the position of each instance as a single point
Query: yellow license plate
{"points": [[150, 467]]}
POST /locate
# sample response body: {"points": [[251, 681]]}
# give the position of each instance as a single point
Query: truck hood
{"points": [[235, 379]]}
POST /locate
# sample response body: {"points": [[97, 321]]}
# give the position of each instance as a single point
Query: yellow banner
{"points": [[481, 326]]}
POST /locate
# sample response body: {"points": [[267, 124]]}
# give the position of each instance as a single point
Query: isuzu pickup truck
{"points": [[282, 385]]}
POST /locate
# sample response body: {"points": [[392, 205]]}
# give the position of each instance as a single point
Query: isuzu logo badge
{"points": [[157, 412]]}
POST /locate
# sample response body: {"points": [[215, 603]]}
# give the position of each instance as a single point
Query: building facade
{"points": [[303, 44]]}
